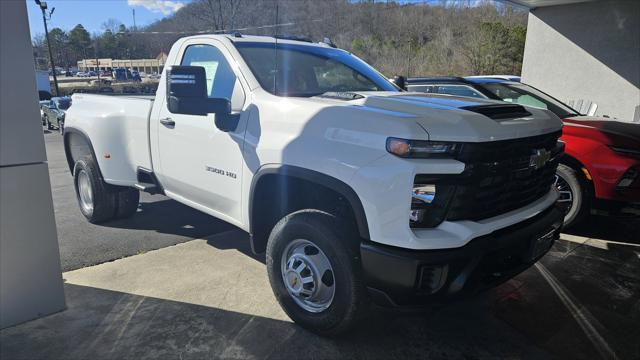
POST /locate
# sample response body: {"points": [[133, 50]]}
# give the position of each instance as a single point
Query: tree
{"points": [[79, 42], [107, 45], [59, 47]]}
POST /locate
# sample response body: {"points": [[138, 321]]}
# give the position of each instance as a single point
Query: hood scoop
{"points": [[499, 111], [341, 95]]}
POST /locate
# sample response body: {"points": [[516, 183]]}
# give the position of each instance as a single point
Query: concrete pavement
{"points": [[210, 298]]}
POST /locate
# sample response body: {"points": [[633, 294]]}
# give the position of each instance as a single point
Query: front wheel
{"points": [[314, 271], [573, 195], [46, 120]]}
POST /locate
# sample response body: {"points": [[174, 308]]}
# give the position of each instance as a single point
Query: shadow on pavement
{"points": [[171, 217], [612, 228], [106, 324], [239, 241]]}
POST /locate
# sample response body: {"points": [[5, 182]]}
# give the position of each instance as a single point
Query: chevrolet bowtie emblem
{"points": [[539, 158]]}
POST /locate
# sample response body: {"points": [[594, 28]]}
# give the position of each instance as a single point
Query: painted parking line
{"points": [[597, 243], [581, 315]]}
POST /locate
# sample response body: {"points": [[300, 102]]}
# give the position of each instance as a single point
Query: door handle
{"points": [[167, 122]]}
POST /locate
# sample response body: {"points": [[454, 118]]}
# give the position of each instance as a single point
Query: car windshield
{"points": [[63, 104], [527, 95], [305, 71]]}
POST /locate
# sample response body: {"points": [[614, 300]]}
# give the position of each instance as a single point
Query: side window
{"points": [[459, 90], [422, 88], [221, 80]]}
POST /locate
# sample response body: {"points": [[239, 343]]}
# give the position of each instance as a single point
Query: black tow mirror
{"points": [[400, 81], [187, 94]]}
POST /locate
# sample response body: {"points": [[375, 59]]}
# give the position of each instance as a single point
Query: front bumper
{"points": [[401, 277]]}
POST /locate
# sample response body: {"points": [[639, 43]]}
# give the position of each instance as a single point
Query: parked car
{"points": [[41, 104], [81, 74], [600, 170], [101, 82], [515, 78], [135, 76], [54, 113], [357, 191]]}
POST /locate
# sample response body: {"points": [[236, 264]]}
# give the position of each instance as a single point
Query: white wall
{"points": [[30, 276], [588, 51]]}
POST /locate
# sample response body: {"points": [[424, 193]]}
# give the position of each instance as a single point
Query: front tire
{"points": [[314, 271], [574, 195]]}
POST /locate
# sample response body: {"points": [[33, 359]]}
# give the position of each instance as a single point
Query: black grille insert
{"points": [[500, 177]]}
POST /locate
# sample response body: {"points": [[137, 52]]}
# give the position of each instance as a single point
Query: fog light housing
{"points": [[428, 204], [628, 179]]}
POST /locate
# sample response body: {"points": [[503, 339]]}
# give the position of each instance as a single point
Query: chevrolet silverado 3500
{"points": [[356, 190]]}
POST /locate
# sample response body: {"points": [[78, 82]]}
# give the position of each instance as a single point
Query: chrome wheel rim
{"points": [[308, 276], [85, 192], [565, 198]]}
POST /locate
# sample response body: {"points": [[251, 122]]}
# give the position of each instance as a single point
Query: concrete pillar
{"points": [[30, 276], [587, 52]]}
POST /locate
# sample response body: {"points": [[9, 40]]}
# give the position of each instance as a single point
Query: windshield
{"points": [[529, 96], [63, 104], [304, 71]]}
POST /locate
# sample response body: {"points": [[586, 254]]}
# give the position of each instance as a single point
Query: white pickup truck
{"points": [[356, 190]]}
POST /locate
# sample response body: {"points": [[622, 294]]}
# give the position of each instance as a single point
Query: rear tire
{"points": [[97, 199], [574, 194], [327, 252]]}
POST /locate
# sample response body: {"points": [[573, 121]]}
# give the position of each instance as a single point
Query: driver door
{"points": [[200, 164]]}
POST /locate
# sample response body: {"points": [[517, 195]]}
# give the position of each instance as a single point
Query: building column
{"points": [[30, 275]]}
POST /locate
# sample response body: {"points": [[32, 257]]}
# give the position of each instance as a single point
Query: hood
{"points": [[452, 118], [614, 128]]}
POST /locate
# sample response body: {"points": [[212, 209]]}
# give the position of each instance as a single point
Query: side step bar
{"points": [[148, 182]]}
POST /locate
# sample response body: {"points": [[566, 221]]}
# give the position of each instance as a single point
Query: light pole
{"points": [[43, 7]]}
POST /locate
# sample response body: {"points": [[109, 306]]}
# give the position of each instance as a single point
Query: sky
{"points": [[93, 13]]}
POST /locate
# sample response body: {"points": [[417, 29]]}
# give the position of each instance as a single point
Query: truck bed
{"points": [[118, 127]]}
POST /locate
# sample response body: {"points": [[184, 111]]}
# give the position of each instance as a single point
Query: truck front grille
{"points": [[501, 176]]}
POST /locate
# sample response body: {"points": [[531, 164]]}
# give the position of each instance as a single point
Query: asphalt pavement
{"points": [[159, 221]]}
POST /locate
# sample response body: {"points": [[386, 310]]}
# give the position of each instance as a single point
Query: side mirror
{"points": [[400, 81], [187, 94]]}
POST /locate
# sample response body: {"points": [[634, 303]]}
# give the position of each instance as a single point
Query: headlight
{"points": [[421, 148], [429, 203]]}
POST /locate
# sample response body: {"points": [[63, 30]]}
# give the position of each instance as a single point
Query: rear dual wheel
{"points": [[98, 200]]}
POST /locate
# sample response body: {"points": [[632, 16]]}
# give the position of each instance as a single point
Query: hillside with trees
{"points": [[408, 38]]}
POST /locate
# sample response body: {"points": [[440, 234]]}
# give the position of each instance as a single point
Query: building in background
{"points": [[148, 66], [586, 54]]}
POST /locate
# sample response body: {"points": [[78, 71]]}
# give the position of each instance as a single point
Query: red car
{"points": [[601, 166]]}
